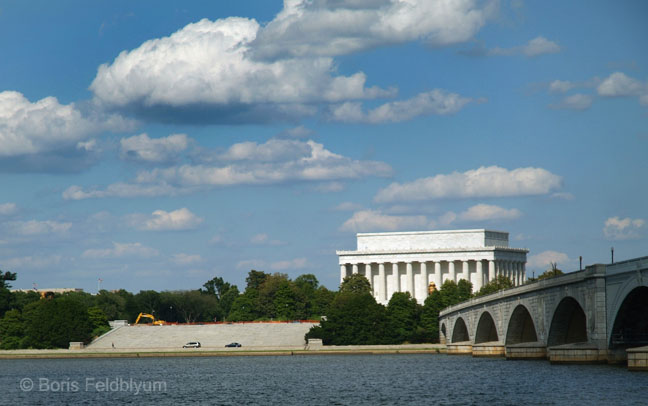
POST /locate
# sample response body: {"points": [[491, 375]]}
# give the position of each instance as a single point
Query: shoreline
{"points": [[213, 352]]}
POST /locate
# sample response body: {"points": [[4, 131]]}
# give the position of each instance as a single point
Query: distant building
{"points": [[44, 292], [413, 261]]}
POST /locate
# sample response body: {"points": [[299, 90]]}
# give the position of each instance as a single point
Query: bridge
{"points": [[599, 314]]}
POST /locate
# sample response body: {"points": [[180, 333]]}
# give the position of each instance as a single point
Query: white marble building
{"points": [[410, 261]]}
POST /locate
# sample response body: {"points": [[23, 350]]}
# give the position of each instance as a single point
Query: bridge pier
{"points": [[460, 348], [638, 359], [488, 349], [577, 353], [531, 350]]}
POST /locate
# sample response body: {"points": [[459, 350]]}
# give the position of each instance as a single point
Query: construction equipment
{"points": [[150, 316]]}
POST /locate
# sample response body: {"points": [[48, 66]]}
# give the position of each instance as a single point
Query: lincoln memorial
{"points": [[412, 261]]}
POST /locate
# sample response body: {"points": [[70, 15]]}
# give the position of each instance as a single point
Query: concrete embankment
{"points": [[224, 352]]}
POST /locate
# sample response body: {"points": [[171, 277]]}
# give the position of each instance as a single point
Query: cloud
{"points": [[48, 129], [181, 219], [435, 102], [208, 65], [32, 262], [576, 101], [247, 163], [483, 212], [540, 46], [296, 132], [347, 206], [8, 208], [145, 149], [491, 181], [264, 239], [35, 227], [186, 259], [375, 220], [620, 85], [297, 263], [623, 229], [328, 28], [561, 86], [535, 47], [563, 196], [120, 250], [544, 259]]}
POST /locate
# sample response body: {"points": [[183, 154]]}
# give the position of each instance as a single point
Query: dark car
{"points": [[233, 345], [192, 344]]}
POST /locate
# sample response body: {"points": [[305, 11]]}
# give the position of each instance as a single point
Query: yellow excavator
{"points": [[150, 316]]}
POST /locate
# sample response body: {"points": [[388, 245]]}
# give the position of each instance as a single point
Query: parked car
{"points": [[233, 345], [192, 344]]}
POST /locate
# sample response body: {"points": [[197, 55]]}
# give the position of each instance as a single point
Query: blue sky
{"points": [[156, 146]]}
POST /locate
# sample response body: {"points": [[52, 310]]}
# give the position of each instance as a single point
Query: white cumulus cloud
{"points": [[619, 84], [36, 227], [247, 163], [375, 220], [435, 102], [181, 219], [264, 239], [561, 86], [209, 63], [332, 27], [482, 212], [616, 228], [142, 148], [540, 46], [491, 181], [187, 259], [46, 126]]}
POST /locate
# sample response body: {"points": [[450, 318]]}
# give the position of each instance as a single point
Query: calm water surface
{"points": [[318, 380]]}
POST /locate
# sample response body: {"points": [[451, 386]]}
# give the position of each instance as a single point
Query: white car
{"points": [[192, 344]]}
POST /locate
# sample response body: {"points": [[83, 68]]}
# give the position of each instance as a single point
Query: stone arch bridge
{"points": [[599, 314]]}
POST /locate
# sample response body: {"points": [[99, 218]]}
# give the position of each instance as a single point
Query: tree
{"points": [[98, 320], [432, 306], [355, 283], [5, 277], [464, 290], [12, 330], [322, 299], [255, 279], [289, 304], [244, 307], [353, 319], [501, 282], [402, 317], [217, 287], [550, 273], [54, 323]]}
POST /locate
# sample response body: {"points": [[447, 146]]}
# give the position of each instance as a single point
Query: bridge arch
{"points": [[521, 328], [486, 330], [630, 328], [460, 331], [568, 324]]}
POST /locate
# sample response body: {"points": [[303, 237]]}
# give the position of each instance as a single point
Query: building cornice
{"points": [[434, 251]]}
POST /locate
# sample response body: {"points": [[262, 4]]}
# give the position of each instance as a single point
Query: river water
{"points": [[421, 379]]}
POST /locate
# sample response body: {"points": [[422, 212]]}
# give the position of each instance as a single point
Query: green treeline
{"points": [[349, 316]]}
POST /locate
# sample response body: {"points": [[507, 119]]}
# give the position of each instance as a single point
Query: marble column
{"points": [[396, 273], [342, 272], [480, 275], [466, 271], [491, 270], [424, 282], [354, 268], [437, 275], [524, 275], [382, 283], [451, 271], [369, 276], [410, 278]]}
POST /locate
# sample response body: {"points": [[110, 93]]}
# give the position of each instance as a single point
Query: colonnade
{"points": [[479, 272]]}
